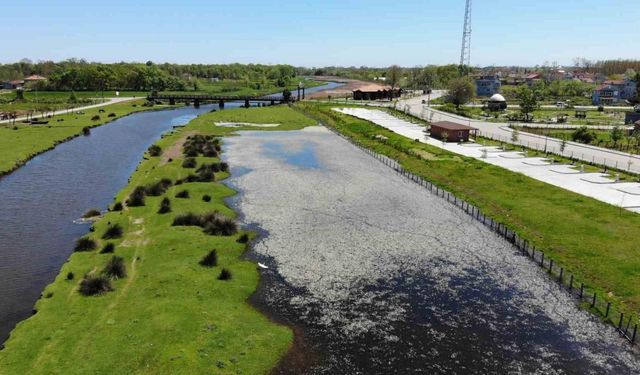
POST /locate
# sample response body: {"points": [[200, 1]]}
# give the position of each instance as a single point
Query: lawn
{"points": [[591, 239], [169, 315], [21, 142]]}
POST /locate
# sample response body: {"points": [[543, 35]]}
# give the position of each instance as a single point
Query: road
{"points": [[502, 132], [107, 102]]}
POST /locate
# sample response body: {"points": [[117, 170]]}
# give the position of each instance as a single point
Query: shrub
{"points": [[85, 244], [48, 295], [117, 207], [86, 130], [109, 248], [158, 188], [114, 231], [244, 238], [225, 274], [165, 206], [70, 276], [136, 199], [93, 285], [95, 118], [183, 194], [155, 150], [189, 163], [210, 260], [206, 198], [224, 167], [210, 152], [219, 225], [115, 268], [188, 219], [111, 114], [91, 213]]}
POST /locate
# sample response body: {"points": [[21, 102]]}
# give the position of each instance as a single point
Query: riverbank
{"points": [[22, 142], [169, 314], [592, 240]]}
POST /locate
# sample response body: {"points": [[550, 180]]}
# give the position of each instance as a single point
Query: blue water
{"points": [[302, 156]]}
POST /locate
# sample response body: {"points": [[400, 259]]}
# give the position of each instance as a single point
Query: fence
{"points": [[626, 326]]}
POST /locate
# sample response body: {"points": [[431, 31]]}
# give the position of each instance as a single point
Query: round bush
{"points": [[93, 285], [85, 244]]}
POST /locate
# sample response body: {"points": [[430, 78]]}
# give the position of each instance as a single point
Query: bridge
{"points": [[220, 99]]}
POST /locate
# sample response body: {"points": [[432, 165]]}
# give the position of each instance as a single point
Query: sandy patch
{"points": [[175, 151], [241, 124]]}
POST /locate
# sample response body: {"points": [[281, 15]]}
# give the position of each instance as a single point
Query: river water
{"points": [[378, 276]]}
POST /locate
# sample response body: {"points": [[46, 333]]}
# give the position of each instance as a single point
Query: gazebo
{"points": [[497, 102]]}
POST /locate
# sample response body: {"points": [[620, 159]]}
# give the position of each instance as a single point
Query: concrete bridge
{"points": [[220, 99]]}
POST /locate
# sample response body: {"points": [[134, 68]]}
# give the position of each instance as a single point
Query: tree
{"points": [[528, 101], [394, 74], [583, 135], [616, 135], [563, 144], [461, 91], [515, 136], [286, 95]]}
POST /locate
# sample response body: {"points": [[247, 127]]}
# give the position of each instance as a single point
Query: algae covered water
{"points": [[377, 276]]}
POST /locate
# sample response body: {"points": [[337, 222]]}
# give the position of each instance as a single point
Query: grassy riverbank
{"points": [[169, 314], [21, 142], [591, 239]]}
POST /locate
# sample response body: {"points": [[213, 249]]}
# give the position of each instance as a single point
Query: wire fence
{"points": [[625, 324]]}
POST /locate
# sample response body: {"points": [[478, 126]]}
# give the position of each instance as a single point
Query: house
{"points": [[13, 85], [375, 92], [487, 85], [633, 117], [451, 131], [614, 92], [531, 78], [34, 78]]}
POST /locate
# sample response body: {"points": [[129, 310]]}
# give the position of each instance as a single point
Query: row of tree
{"points": [[81, 75]]}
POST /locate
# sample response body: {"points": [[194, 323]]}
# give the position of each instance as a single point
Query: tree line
{"points": [[80, 75]]}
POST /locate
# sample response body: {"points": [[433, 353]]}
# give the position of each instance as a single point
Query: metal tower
{"points": [[465, 53]]}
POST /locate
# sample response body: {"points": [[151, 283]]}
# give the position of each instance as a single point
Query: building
{"points": [[34, 78], [375, 92], [633, 117], [614, 92], [497, 103], [452, 132], [13, 85], [487, 85], [532, 78]]}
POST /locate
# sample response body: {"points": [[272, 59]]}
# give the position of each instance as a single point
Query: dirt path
{"points": [[175, 151]]}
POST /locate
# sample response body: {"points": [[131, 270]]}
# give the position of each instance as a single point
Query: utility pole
{"points": [[465, 52]]}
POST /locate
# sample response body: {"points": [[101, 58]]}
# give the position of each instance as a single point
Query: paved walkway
{"points": [[63, 111], [595, 185], [502, 132]]}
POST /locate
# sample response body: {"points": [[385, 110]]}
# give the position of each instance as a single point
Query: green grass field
{"points": [[591, 239], [169, 315], [20, 143]]}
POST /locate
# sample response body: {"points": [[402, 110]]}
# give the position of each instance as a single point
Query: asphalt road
{"points": [[502, 132]]}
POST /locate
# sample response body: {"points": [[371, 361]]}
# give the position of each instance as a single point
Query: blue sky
{"points": [[319, 33]]}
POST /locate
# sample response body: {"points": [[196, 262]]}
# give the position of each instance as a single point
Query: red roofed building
{"points": [[451, 131]]}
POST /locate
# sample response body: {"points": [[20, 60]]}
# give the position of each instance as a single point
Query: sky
{"points": [[320, 33]]}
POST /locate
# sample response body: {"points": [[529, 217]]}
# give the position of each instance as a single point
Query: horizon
{"points": [[334, 34]]}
